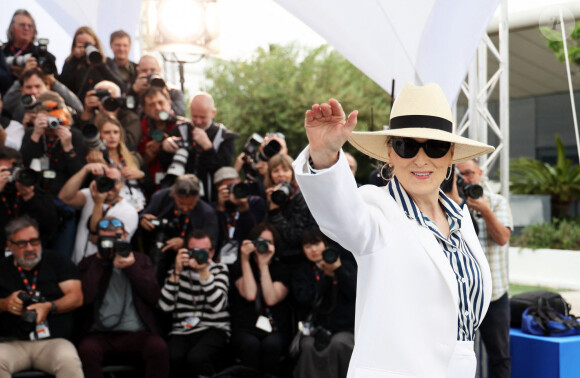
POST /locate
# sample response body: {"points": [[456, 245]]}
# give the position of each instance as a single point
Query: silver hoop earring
{"points": [[384, 167], [449, 171]]}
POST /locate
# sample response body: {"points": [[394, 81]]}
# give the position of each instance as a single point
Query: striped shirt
{"points": [[192, 298], [497, 255], [463, 264]]}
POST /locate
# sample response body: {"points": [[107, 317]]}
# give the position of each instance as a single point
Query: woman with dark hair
{"points": [[260, 313], [81, 71], [287, 210], [129, 162], [325, 288]]}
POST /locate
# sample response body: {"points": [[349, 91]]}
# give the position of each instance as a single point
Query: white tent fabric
{"points": [[420, 41]]}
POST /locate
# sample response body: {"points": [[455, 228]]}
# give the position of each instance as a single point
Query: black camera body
{"points": [[104, 184], [30, 298], [24, 176], [281, 195], [240, 189], [43, 59], [253, 148], [110, 246], [322, 338], [261, 245], [156, 80], [330, 255], [201, 256], [469, 190], [163, 229]]}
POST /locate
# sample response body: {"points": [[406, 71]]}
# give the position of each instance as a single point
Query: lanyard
{"points": [[14, 208], [105, 211], [29, 288], [231, 226], [185, 223], [49, 148]]}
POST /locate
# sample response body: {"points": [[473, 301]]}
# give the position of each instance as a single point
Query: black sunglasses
{"points": [[408, 147]]}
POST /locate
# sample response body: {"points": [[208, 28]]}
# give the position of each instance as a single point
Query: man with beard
{"points": [[38, 291]]}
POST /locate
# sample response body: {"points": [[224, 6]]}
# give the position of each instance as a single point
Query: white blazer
{"points": [[407, 301]]}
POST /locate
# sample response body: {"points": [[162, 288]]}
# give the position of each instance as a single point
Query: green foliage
{"points": [[560, 181], [272, 90], [560, 234], [554, 41]]}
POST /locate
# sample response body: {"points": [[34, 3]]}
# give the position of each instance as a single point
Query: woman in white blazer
{"points": [[423, 281]]}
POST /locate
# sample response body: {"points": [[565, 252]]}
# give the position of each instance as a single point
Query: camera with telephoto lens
{"points": [[469, 190], [254, 149], [239, 189], [261, 245], [330, 255], [176, 168], [155, 80], [53, 122], [18, 61], [164, 228], [93, 54], [92, 138], [201, 256], [28, 101], [281, 195], [104, 183], [24, 176], [44, 60], [109, 246], [30, 298], [113, 103]]}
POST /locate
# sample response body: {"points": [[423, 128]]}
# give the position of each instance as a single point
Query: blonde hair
{"points": [[122, 149], [276, 161]]}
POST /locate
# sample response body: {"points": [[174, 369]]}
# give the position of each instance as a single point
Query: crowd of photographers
{"points": [[132, 235]]}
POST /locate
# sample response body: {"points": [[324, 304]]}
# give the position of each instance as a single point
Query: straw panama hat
{"points": [[419, 112]]}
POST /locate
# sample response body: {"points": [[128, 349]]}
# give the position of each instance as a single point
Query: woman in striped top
{"points": [[196, 293], [423, 281]]}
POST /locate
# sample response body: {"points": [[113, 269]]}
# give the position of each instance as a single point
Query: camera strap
{"points": [[29, 287], [231, 221], [184, 220]]}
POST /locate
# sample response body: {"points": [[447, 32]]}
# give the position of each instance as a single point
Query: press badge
{"points": [[263, 323], [44, 163], [41, 332], [190, 322]]}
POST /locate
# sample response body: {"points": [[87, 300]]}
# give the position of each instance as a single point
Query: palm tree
{"points": [[561, 181]]}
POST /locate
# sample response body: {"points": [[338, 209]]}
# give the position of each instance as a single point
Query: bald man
{"points": [[148, 65], [213, 144]]}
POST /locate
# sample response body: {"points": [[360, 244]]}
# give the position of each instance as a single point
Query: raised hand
{"points": [[327, 130]]}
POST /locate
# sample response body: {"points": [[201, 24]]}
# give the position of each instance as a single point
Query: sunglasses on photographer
{"points": [[408, 147], [106, 224]]}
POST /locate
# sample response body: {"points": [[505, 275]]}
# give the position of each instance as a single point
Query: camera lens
{"points": [[473, 190], [269, 150], [93, 54], [28, 101], [53, 122], [330, 255], [26, 176], [261, 245], [240, 190], [280, 196], [110, 104], [201, 256]]}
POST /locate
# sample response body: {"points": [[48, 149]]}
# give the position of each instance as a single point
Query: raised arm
{"points": [[327, 131]]}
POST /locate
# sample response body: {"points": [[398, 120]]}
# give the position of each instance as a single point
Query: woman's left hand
{"points": [[95, 156], [132, 173], [65, 137]]}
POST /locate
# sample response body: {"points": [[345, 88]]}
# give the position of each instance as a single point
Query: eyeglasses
{"points": [[105, 224], [35, 242], [277, 134], [24, 25], [408, 148]]}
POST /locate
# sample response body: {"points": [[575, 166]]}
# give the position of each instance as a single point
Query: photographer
{"points": [[20, 50], [120, 294], [106, 99], [86, 65], [101, 198], [38, 291], [287, 209], [32, 84], [53, 143], [196, 293], [211, 145], [260, 312], [149, 73], [120, 43], [156, 125], [20, 196], [494, 220], [238, 212], [171, 214], [325, 287]]}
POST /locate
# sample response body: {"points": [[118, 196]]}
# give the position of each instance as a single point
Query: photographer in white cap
{"points": [[424, 284]]}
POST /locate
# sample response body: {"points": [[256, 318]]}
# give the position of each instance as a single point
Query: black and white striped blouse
{"points": [[462, 261], [193, 298]]}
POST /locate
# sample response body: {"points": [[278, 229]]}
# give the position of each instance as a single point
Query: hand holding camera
{"points": [[200, 137]]}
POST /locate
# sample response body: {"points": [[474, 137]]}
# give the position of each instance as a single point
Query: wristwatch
{"points": [[53, 308]]}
